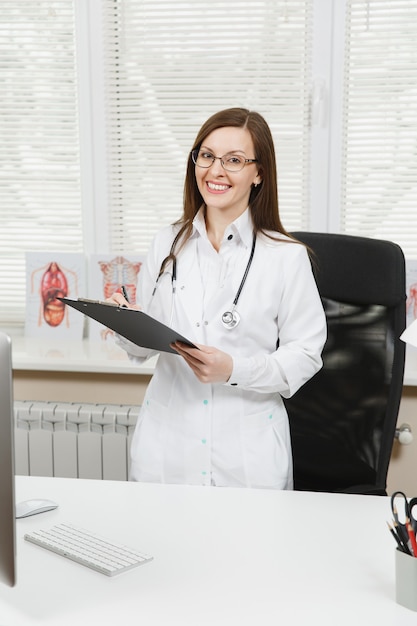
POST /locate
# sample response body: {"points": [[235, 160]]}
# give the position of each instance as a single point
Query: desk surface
{"points": [[221, 557]]}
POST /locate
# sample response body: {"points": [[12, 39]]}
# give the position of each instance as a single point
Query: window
{"points": [[40, 177], [101, 100], [168, 66], [379, 128]]}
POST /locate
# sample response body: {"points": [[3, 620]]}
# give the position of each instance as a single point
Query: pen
{"points": [[397, 539], [404, 543], [412, 538], [124, 292]]}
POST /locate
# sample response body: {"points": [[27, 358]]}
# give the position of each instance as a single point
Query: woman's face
{"points": [[223, 190]]}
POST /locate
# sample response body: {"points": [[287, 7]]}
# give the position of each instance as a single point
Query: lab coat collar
{"points": [[199, 223], [241, 228]]}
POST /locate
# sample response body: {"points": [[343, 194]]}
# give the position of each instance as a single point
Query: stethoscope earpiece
{"points": [[230, 319]]}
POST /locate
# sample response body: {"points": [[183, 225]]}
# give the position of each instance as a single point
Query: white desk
{"points": [[222, 557]]}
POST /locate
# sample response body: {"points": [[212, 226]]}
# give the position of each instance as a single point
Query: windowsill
{"points": [[96, 357], [75, 356]]}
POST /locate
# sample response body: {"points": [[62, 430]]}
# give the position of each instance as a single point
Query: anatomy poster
{"points": [[49, 276], [107, 274]]}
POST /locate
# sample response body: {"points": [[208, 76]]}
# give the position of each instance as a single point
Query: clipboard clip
{"points": [[88, 301]]}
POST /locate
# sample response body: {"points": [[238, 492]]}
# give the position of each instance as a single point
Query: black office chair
{"points": [[343, 420]]}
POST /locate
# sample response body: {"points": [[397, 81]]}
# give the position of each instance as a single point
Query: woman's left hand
{"points": [[210, 365]]}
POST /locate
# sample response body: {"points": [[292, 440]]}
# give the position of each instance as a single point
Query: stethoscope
{"points": [[230, 319]]}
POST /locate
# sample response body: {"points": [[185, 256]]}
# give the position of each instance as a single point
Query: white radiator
{"points": [[73, 440]]}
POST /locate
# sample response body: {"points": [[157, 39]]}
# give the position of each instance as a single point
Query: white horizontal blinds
{"points": [[171, 64], [380, 122], [40, 207]]}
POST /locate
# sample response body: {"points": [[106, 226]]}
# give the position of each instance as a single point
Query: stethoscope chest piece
{"points": [[230, 319]]}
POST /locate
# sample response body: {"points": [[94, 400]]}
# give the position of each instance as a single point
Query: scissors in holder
{"points": [[408, 515]]}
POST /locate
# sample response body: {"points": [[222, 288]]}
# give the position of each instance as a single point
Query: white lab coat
{"points": [[237, 433]]}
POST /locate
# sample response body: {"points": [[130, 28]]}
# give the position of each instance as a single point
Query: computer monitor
{"points": [[7, 498]]}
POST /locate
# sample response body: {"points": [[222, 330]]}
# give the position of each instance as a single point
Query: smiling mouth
{"points": [[214, 187]]}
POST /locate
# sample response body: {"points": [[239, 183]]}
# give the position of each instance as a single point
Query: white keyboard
{"points": [[88, 549]]}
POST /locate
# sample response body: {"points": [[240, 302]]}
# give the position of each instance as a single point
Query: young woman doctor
{"points": [[229, 278]]}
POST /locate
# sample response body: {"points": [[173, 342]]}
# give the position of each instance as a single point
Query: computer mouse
{"points": [[33, 507]]}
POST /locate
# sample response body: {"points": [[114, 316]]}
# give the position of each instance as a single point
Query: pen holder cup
{"points": [[406, 580]]}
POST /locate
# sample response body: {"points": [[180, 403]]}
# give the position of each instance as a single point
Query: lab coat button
{"points": [[230, 237], [233, 384]]}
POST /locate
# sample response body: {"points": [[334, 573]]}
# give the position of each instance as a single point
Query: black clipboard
{"points": [[137, 326]]}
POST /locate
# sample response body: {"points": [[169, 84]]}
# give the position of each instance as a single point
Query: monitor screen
{"points": [[7, 501]]}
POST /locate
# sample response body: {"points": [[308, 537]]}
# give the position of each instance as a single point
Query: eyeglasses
{"points": [[230, 162]]}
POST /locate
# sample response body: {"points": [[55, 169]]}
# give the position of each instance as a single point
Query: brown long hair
{"points": [[263, 199]]}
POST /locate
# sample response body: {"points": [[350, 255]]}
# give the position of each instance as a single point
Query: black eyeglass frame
{"points": [[194, 156]]}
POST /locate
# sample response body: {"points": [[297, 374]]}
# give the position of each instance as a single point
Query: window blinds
{"points": [[169, 65], [379, 169], [39, 155]]}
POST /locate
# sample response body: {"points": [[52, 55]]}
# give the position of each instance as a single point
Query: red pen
{"points": [[412, 537]]}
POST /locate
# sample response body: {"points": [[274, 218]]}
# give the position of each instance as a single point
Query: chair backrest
{"points": [[343, 420]]}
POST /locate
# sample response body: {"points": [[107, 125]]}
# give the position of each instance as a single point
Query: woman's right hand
{"points": [[118, 298]]}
